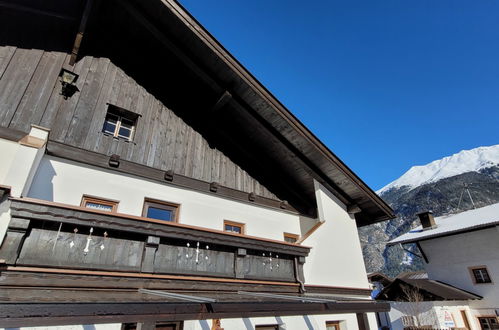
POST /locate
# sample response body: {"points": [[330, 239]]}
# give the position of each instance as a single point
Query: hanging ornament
{"points": [[102, 247], [187, 253], [72, 243], [89, 239]]}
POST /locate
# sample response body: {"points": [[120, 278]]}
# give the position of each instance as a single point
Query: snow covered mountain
{"points": [[438, 186], [464, 161]]}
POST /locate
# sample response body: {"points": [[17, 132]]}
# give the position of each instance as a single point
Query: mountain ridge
{"points": [[472, 160]]}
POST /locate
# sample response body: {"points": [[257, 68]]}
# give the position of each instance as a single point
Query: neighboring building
{"points": [[416, 300], [461, 251], [149, 181]]}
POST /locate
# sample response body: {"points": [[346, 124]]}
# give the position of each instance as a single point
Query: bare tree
{"points": [[414, 305], [415, 298]]}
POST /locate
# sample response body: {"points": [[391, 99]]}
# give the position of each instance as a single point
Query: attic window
{"points": [[120, 123], [480, 275]]}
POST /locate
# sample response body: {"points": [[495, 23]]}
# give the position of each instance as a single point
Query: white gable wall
{"points": [[336, 257], [450, 258]]}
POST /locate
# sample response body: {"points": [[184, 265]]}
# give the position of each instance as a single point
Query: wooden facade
{"points": [[163, 139]]}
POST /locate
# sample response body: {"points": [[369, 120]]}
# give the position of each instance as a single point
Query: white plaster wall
{"points": [[336, 257], [65, 182], [449, 258], [303, 322], [110, 326], [8, 150]]}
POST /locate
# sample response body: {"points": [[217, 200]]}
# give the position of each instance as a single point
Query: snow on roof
{"points": [[453, 223]]}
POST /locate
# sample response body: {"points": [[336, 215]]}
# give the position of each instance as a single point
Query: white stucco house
{"points": [[149, 181], [461, 251]]}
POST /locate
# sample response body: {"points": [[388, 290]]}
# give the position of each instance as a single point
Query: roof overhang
{"points": [[44, 307], [280, 134]]}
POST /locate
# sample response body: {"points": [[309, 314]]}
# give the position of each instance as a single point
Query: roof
{"points": [[314, 160], [431, 290], [476, 219]]}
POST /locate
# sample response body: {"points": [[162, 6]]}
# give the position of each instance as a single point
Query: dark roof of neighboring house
{"points": [[431, 290], [380, 278]]}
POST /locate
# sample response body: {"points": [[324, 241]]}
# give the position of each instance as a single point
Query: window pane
{"points": [[160, 214], [109, 127], [125, 132], [126, 123], [233, 229], [100, 207]]}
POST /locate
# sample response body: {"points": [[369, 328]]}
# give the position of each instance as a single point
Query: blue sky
{"points": [[385, 84]]}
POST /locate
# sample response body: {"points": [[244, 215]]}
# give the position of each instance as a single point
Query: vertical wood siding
{"points": [[30, 94]]}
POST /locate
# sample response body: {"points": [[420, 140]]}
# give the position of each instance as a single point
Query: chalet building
{"points": [[148, 180], [460, 255]]}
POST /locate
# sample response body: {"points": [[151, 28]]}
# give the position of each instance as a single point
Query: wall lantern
{"points": [[68, 80]]}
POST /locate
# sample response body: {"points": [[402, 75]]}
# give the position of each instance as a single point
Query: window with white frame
{"points": [[120, 123]]}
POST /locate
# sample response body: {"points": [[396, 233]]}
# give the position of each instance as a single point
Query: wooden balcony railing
{"points": [[47, 234]]}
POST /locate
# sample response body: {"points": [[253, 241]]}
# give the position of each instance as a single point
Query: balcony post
{"points": [[151, 247]]}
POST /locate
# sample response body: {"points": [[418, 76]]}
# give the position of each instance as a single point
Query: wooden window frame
{"points": [[334, 323], [98, 200], [235, 224], [473, 277], [121, 114], [478, 317], [464, 317], [293, 236], [259, 326], [161, 205]]}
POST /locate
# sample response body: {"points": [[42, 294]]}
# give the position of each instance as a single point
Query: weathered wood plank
{"points": [[94, 136], [154, 131], [182, 260], [198, 157], [164, 116], [6, 53], [46, 248], [169, 145], [179, 146], [62, 120], [139, 140], [36, 97], [15, 80], [106, 142], [208, 161], [89, 96]]}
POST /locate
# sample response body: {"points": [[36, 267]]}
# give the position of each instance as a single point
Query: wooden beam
{"points": [[160, 36], [81, 31], [100, 160], [362, 321], [222, 101], [425, 258], [51, 14]]}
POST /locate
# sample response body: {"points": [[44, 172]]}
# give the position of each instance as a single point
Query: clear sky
{"points": [[385, 84]]}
